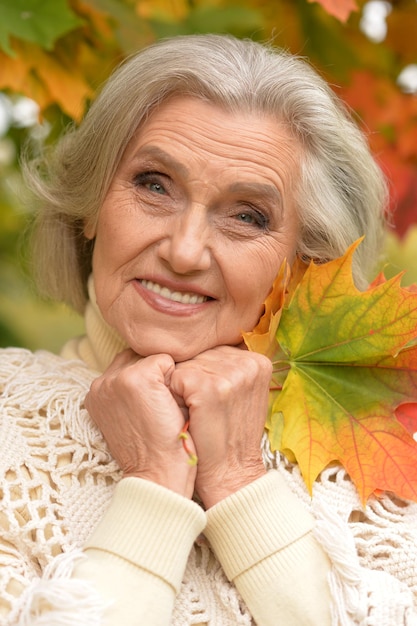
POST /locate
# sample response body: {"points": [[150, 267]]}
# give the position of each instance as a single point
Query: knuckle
{"points": [[263, 364], [94, 388], [126, 380], [258, 366], [225, 387]]}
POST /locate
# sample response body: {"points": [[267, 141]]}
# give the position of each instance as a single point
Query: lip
{"points": [[160, 302]]}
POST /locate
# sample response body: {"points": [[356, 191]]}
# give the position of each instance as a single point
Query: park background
{"points": [[55, 54]]}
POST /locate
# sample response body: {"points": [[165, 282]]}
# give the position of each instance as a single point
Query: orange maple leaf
{"points": [[338, 8], [345, 366], [45, 78]]}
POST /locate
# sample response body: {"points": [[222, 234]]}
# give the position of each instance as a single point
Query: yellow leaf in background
{"points": [[16, 75], [65, 84], [166, 10], [46, 79], [100, 22], [13, 73]]}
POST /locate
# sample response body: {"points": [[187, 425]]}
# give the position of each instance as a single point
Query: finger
{"points": [[181, 404]]}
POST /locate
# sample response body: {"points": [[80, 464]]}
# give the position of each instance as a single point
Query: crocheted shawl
{"points": [[57, 477]]}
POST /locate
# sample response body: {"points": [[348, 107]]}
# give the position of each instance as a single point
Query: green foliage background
{"points": [[65, 49]]}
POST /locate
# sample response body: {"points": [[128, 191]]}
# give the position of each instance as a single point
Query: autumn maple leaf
{"points": [[344, 386], [339, 8]]}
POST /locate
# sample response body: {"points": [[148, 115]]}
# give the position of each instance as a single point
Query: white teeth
{"points": [[176, 296]]}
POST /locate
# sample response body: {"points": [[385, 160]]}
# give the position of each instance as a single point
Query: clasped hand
{"points": [[141, 405]]}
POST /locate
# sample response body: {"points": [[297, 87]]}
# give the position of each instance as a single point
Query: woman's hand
{"points": [[132, 405], [226, 393]]}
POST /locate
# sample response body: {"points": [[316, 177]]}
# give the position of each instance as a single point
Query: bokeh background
{"points": [[54, 55]]}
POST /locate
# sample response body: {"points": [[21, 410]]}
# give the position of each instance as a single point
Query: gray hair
{"points": [[341, 194]]}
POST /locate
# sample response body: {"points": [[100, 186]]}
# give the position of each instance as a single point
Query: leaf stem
{"points": [[192, 457]]}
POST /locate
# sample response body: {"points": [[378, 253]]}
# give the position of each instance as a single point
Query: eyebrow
{"points": [[153, 152], [262, 190]]}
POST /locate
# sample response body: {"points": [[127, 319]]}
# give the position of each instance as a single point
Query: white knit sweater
{"points": [[257, 559]]}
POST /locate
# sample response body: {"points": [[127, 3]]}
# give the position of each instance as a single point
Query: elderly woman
{"points": [[165, 217]]}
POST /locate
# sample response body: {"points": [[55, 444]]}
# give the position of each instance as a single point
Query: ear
{"points": [[89, 228]]}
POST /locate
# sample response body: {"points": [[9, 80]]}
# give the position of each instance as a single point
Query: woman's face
{"points": [[198, 218]]}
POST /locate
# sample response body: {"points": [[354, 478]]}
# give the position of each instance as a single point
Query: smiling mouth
{"points": [[175, 296]]}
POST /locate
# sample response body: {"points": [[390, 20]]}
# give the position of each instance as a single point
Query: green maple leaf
{"points": [[344, 361], [38, 21]]}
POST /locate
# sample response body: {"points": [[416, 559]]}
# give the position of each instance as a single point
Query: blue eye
{"points": [[253, 218], [155, 187], [247, 218], [151, 181]]}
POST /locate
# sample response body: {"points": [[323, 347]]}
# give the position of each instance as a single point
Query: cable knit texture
{"points": [[58, 480]]}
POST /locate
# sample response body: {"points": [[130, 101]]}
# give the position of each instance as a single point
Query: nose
{"points": [[185, 248]]}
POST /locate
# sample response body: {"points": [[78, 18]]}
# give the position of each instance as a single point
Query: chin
{"points": [[178, 353], [178, 349]]}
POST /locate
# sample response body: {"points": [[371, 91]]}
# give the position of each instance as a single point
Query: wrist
{"points": [[177, 477], [216, 490]]}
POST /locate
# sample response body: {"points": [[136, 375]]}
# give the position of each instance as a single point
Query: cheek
{"points": [[115, 242], [254, 276], [250, 285], [264, 265]]}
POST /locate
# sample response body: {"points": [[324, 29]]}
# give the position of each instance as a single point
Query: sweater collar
{"points": [[98, 347]]}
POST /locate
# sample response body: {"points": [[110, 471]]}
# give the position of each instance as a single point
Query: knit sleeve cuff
{"points": [[151, 527], [256, 522]]}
